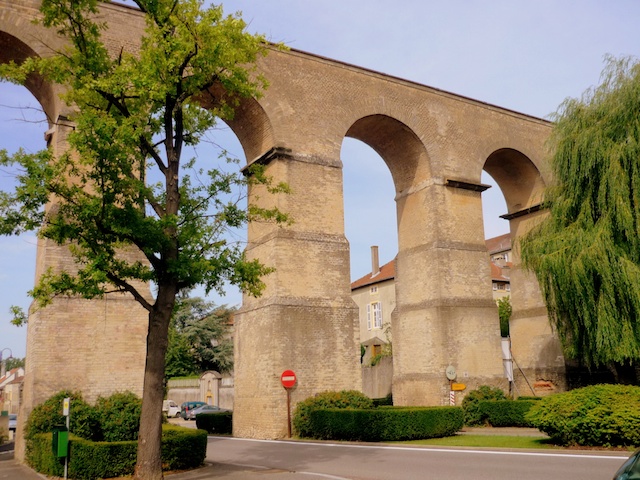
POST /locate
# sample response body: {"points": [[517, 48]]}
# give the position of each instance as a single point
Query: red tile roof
{"points": [[496, 273], [499, 243], [387, 272]]}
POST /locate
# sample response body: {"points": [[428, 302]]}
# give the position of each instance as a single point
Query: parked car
{"points": [[170, 409], [204, 409], [186, 407], [630, 470], [13, 422]]}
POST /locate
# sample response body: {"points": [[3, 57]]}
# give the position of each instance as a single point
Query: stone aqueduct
{"points": [[435, 145]]}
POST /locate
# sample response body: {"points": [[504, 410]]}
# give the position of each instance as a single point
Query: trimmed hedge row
{"points": [[182, 448], [505, 413], [385, 424], [219, 423], [323, 401]]}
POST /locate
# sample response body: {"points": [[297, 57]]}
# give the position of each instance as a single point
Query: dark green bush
{"points": [[505, 413], [325, 400], [182, 449], [598, 415], [385, 424], [384, 401], [119, 416], [470, 403], [220, 423], [83, 418]]}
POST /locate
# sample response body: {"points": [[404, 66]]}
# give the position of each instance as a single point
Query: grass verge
{"points": [[490, 441]]}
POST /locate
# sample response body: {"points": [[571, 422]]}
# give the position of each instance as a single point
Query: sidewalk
{"points": [[12, 470]]}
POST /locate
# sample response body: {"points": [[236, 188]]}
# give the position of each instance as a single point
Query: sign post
{"points": [[288, 380], [66, 407]]}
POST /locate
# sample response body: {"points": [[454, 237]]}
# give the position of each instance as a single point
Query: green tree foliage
{"points": [[124, 199], [199, 338], [586, 251], [504, 313], [13, 362]]}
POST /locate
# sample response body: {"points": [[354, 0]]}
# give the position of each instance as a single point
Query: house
{"points": [[499, 249], [11, 390], [375, 294]]}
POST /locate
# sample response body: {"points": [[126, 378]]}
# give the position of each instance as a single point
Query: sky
{"points": [[523, 55]]}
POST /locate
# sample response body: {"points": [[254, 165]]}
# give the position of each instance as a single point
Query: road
{"points": [[384, 462]]}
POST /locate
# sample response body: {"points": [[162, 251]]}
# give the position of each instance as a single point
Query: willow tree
{"points": [[124, 186], [586, 252]]}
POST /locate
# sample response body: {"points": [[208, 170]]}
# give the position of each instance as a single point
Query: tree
{"points": [[199, 338], [586, 251], [136, 212], [504, 313], [13, 362]]}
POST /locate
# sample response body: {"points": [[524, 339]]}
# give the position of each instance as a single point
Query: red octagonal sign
{"points": [[288, 378]]}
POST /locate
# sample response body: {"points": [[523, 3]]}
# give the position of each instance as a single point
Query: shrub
{"points": [[470, 403], [385, 424], [598, 415], [119, 416], [83, 418], [182, 448], [220, 423], [505, 413], [325, 400]]}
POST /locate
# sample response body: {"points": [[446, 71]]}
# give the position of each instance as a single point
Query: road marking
{"points": [[323, 475], [262, 467], [435, 450]]}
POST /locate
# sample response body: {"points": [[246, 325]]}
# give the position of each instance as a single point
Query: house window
{"points": [[508, 287], [374, 289], [374, 315], [377, 314], [495, 286], [501, 286]]}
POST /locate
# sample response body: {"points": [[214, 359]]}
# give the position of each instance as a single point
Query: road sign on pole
{"points": [[288, 378]]}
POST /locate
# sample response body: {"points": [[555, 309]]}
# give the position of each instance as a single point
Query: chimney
{"points": [[375, 263]]}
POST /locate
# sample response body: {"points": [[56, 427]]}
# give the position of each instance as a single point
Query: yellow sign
{"points": [[457, 387]]}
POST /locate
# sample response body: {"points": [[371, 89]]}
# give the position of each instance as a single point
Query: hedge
{"points": [[471, 403], [598, 415], [182, 448], [219, 423], [505, 413], [385, 424], [344, 399]]}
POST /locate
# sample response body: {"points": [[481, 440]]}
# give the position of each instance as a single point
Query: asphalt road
{"points": [[385, 462]]}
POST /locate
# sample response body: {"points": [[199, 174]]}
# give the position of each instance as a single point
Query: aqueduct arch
{"points": [[436, 145]]}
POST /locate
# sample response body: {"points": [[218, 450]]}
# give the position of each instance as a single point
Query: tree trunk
{"points": [[149, 461]]}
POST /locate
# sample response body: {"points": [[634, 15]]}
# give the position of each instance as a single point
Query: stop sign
{"points": [[288, 378]]}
